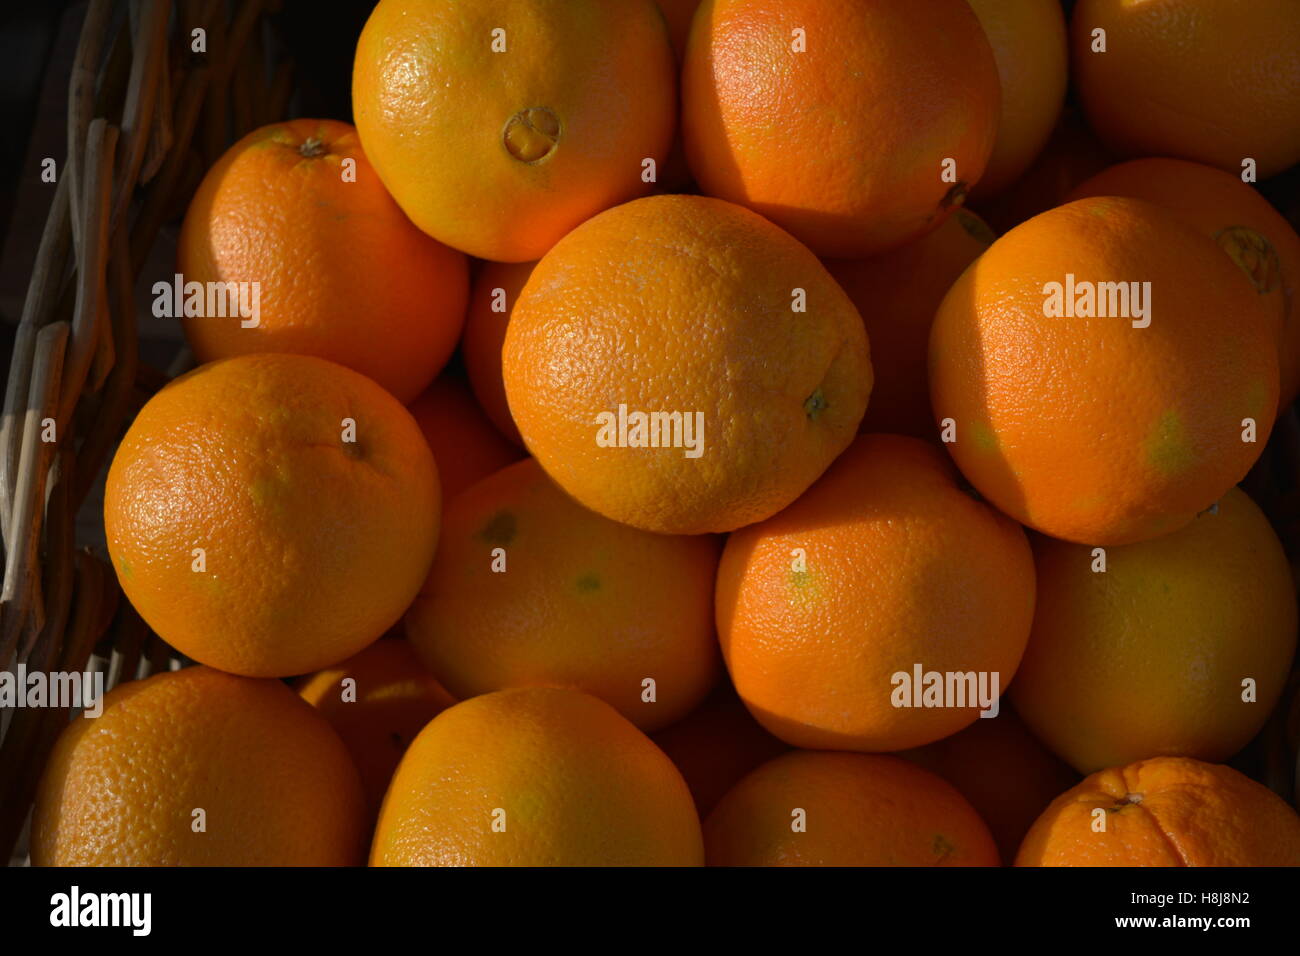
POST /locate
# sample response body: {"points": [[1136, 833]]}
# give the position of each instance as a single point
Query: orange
{"points": [[896, 294], [466, 446], [1204, 80], [1084, 426], [341, 272], [499, 127], [1031, 50], [831, 809], [678, 14], [715, 745], [536, 777], [199, 768], [1240, 220], [1005, 773], [856, 126], [271, 515], [827, 611], [675, 176], [1150, 657], [1170, 811], [705, 315], [377, 700], [492, 299], [529, 587], [1071, 155]]}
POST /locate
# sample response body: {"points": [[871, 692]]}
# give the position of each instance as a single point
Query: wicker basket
{"points": [[145, 114]]}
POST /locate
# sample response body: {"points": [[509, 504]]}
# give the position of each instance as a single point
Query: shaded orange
{"points": [[274, 783], [1030, 46], [715, 745], [1071, 155], [530, 588], [1240, 220], [564, 778], [897, 294], [678, 14], [1149, 657], [492, 299], [1203, 80], [465, 444], [389, 700], [857, 809], [1002, 769]]}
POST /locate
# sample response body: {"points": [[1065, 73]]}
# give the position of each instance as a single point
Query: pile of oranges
{"points": [[645, 456]]}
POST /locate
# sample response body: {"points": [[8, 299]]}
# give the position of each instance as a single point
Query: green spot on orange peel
{"points": [[942, 847], [1167, 447], [500, 529], [983, 437], [803, 588], [1253, 254]]}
